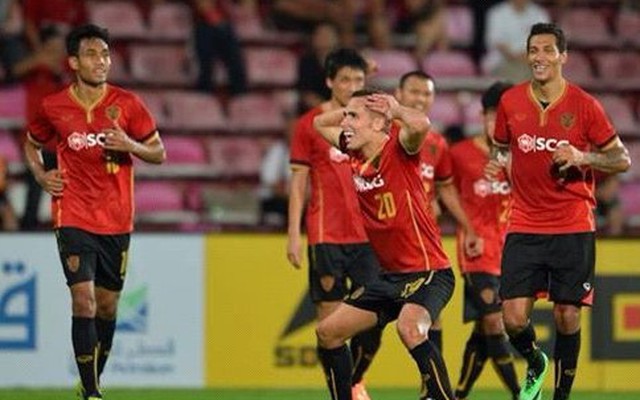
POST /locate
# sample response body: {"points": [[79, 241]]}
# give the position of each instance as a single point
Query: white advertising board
{"points": [[159, 336]]}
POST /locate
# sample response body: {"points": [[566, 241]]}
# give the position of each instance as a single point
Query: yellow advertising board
{"points": [[260, 322]]}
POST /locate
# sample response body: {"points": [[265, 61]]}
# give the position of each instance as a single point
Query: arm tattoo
{"points": [[611, 161]]}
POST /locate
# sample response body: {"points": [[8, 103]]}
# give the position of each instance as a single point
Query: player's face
{"points": [[544, 58], [417, 93], [93, 62], [356, 124], [347, 81], [489, 122]]}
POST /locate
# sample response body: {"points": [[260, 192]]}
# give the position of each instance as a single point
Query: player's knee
{"points": [[412, 332], [107, 310], [492, 324], [84, 304], [567, 318], [515, 322], [327, 336]]}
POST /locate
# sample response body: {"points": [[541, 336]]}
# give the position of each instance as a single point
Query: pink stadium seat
{"points": [[628, 27], [459, 22], [122, 18], [9, 148], [13, 103], [189, 110], [634, 152], [157, 196], [235, 156], [446, 111], [271, 66], [160, 64], [170, 21], [622, 67], [391, 64], [154, 100], [630, 199], [119, 72], [578, 68], [184, 150], [255, 112], [619, 110], [449, 64], [585, 26], [472, 111]]}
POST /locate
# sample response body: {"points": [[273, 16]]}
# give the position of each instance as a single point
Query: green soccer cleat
{"points": [[532, 388]]}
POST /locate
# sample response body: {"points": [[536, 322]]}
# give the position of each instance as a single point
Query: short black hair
{"points": [[491, 96], [542, 28], [418, 73], [343, 57], [88, 31], [366, 92], [49, 32]]}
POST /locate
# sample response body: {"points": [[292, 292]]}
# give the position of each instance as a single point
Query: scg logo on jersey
{"points": [[364, 185], [78, 141], [528, 143], [484, 188], [427, 171]]}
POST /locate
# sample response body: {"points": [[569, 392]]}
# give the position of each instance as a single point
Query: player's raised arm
{"points": [[328, 125]]}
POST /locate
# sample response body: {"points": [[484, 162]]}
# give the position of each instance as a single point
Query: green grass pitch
{"points": [[272, 394]]}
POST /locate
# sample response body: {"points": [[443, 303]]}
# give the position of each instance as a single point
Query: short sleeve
{"points": [[140, 125], [501, 135], [444, 166], [40, 128], [301, 142], [600, 131]]}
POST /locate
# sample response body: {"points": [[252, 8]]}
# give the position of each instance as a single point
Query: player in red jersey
{"points": [[487, 205], [416, 280], [556, 134], [416, 89], [98, 128], [338, 247]]}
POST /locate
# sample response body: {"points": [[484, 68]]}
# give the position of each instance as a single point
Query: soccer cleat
{"points": [[359, 392], [94, 398], [532, 389]]}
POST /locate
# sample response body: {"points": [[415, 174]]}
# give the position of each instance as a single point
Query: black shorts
{"points": [[389, 292], [561, 266], [87, 256], [480, 295], [337, 269]]}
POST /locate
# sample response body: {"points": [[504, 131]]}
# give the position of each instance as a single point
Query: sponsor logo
{"points": [[528, 143], [113, 113], [81, 140], [484, 187], [364, 185], [586, 286], [337, 156], [133, 311], [18, 314], [567, 120], [427, 171]]}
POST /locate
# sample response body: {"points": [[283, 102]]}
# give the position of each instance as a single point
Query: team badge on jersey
{"points": [[567, 120], [113, 113]]}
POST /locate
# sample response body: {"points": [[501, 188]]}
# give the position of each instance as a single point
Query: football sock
{"points": [[435, 380], [105, 330], [364, 347], [85, 342], [473, 359], [336, 364], [525, 343], [435, 337], [498, 351], [566, 350]]}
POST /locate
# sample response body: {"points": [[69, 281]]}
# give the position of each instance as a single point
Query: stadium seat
{"points": [[449, 64], [619, 68], [634, 152], [585, 26], [446, 111], [184, 150], [231, 204], [123, 18], [157, 196], [578, 68], [235, 156], [190, 110], [271, 66], [459, 22], [630, 199], [628, 27], [472, 111], [9, 148], [619, 110], [12, 106], [170, 21], [154, 100], [391, 64], [255, 112], [119, 72], [161, 64]]}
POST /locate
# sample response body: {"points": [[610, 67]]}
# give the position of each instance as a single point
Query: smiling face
{"points": [[92, 63], [357, 124], [417, 92], [545, 59]]}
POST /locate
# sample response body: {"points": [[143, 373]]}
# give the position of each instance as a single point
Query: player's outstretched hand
{"points": [[53, 182]]}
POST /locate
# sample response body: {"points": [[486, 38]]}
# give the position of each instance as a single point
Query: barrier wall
{"points": [[259, 322]]}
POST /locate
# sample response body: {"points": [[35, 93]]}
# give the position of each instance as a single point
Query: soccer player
{"points": [[417, 90], [98, 128], [487, 204], [416, 282], [338, 247], [556, 135]]}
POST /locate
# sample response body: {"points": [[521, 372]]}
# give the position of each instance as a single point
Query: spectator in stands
{"points": [[609, 210], [311, 85], [12, 46], [508, 26], [479, 9], [43, 73], [215, 39], [8, 220], [65, 14]]}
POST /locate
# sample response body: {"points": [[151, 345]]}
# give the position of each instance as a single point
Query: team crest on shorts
{"points": [[113, 113], [567, 120], [73, 263]]}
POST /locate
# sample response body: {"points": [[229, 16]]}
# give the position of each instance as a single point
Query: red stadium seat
{"points": [[585, 26], [449, 64], [184, 150], [235, 156], [170, 21], [628, 27], [189, 110], [13, 104], [119, 72], [619, 110], [391, 65], [9, 148], [271, 66], [161, 64], [255, 112], [122, 18], [578, 68], [459, 22]]}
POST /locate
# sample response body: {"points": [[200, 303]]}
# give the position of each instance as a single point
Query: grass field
{"points": [[264, 394]]}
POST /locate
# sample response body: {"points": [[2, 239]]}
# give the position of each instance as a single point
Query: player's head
{"points": [[490, 100], [88, 51], [52, 40], [417, 90], [546, 52], [361, 125], [345, 71]]}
